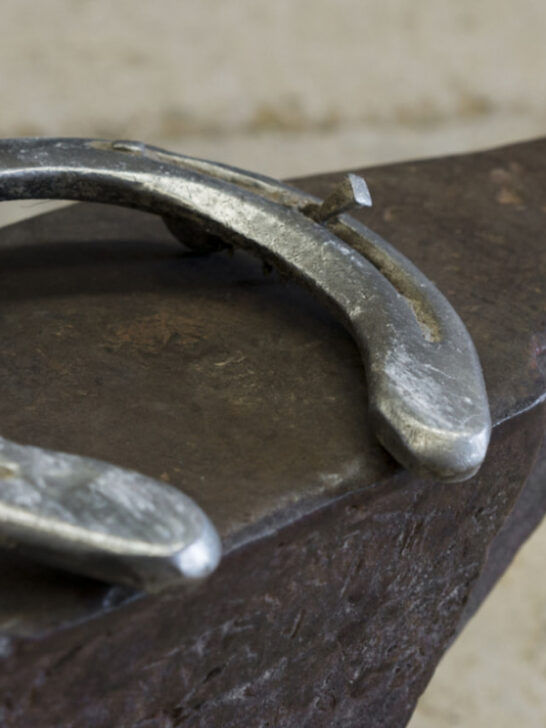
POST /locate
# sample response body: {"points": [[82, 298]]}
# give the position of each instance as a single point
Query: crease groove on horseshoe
{"points": [[427, 396]]}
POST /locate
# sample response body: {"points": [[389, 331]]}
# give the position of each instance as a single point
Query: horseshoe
{"points": [[427, 398]]}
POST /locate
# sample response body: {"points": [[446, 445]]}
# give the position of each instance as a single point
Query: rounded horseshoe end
{"points": [[448, 456], [433, 437]]}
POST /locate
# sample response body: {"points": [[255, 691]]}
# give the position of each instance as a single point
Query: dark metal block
{"points": [[344, 579]]}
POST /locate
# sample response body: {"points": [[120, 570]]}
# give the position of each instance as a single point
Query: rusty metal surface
{"points": [[236, 386]]}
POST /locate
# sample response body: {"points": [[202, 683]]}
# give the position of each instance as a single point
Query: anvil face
{"points": [[343, 577], [427, 398]]}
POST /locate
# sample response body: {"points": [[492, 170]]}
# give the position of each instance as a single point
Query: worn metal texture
{"points": [[474, 225], [427, 398], [336, 620], [426, 394], [526, 515], [344, 579], [101, 521]]}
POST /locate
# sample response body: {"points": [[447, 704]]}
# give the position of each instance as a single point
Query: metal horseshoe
{"points": [[427, 398]]}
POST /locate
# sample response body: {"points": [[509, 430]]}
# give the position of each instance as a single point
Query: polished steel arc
{"points": [[427, 396]]}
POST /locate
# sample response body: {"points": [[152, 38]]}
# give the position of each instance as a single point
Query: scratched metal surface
{"points": [[92, 518], [231, 382], [426, 394]]}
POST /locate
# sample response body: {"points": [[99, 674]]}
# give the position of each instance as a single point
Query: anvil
{"points": [[344, 576]]}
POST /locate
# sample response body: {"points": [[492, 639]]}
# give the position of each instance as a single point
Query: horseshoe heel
{"points": [[427, 396]]}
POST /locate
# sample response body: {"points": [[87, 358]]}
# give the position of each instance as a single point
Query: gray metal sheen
{"points": [[427, 397]]}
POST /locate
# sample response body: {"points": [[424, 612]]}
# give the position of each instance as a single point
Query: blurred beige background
{"points": [[299, 86]]}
